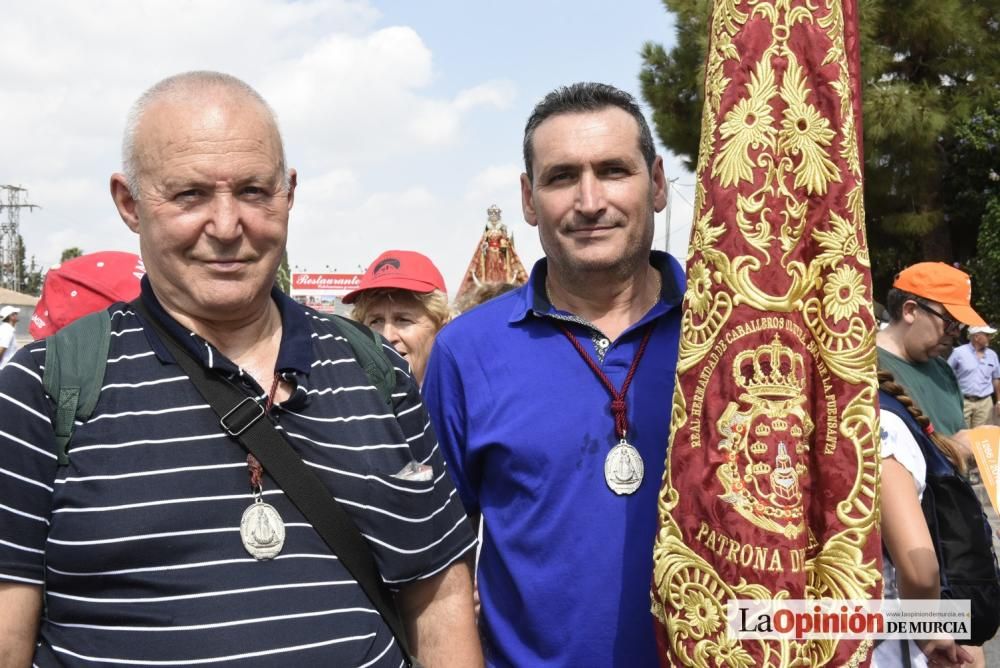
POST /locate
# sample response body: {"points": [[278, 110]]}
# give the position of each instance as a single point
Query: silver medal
{"points": [[623, 468], [262, 530]]}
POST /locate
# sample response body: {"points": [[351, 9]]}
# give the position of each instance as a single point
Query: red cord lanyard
{"points": [[618, 407], [253, 466]]}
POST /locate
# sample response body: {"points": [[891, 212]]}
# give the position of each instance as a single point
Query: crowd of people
{"points": [[537, 419]]}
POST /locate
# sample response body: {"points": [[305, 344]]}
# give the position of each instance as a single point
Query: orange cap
{"points": [[942, 283]]}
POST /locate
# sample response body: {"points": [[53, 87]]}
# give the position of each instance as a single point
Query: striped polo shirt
{"points": [[137, 540]]}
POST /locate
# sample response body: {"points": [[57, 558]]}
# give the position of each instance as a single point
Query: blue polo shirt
{"points": [[975, 375], [525, 426]]}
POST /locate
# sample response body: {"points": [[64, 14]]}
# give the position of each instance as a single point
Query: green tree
{"points": [[926, 67], [31, 274], [70, 253], [973, 176], [23, 269], [974, 180], [986, 266], [284, 278], [32, 279]]}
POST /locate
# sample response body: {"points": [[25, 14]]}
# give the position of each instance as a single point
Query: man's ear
{"points": [[658, 181], [909, 311], [527, 205], [125, 202], [293, 180]]}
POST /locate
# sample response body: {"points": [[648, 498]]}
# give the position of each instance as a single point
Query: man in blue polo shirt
{"points": [[552, 402], [978, 372], [139, 550]]}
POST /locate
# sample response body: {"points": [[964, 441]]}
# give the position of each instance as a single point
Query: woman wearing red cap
{"points": [[402, 297], [83, 285]]}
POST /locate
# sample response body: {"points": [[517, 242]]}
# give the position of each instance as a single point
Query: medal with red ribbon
{"points": [[623, 467]]}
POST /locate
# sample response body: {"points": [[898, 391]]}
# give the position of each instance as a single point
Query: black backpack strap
{"points": [[937, 463], [368, 351], [244, 419], [75, 359], [960, 531]]}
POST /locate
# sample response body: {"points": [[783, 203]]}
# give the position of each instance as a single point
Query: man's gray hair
{"points": [[177, 87], [584, 97]]}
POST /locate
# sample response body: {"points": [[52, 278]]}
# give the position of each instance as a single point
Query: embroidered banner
{"points": [[770, 489]]}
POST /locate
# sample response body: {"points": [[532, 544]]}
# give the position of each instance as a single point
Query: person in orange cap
{"points": [[928, 305], [402, 296]]}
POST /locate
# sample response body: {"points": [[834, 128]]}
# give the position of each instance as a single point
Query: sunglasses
{"points": [[951, 326]]}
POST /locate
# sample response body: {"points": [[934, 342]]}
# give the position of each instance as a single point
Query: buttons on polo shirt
{"points": [[601, 345]]}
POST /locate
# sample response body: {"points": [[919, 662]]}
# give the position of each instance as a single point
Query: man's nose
{"points": [[225, 223], [590, 199]]}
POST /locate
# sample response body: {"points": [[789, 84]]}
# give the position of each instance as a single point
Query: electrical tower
{"points": [[10, 239]]}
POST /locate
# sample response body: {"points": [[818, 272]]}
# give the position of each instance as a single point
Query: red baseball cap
{"points": [[942, 283], [405, 270], [83, 285]]}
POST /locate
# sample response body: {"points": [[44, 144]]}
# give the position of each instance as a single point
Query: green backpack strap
{"points": [[368, 351], [77, 355], [75, 359]]}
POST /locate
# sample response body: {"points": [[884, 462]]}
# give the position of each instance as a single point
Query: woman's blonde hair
{"points": [[434, 303]]}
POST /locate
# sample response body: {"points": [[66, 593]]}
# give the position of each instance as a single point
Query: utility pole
{"points": [[10, 239]]}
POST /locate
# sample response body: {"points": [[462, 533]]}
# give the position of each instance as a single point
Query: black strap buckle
{"points": [[239, 419]]}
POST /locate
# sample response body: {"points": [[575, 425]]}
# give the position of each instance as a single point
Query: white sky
{"points": [[403, 117]]}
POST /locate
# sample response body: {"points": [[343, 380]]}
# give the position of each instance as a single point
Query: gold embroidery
{"points": [[758, 481], [700, 288], [805, 132], [772, 140], [748, 126], [843, 294], [840, 241]]}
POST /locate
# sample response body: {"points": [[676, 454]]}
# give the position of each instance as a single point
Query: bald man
{"points": [[138, 549]]}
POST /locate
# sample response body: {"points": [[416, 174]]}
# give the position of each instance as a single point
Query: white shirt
{"points": [[898, 443], [8, 341]]}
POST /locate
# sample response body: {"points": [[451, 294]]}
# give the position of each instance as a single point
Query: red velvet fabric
{"points": [[771, 479]]}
